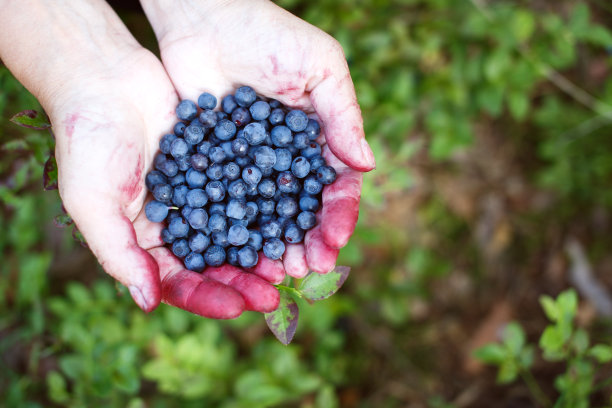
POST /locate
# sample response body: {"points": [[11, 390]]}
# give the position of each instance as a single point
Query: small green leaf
{"points": [[508, 372], [518, 103], [62, 220], [50, 174], [317, 287], [550, 308], [567, 303], [283, 321], [580, 341], [31, 119], [523, 24], [492, 354], [601, 352], [514, 338], [56, 385]]}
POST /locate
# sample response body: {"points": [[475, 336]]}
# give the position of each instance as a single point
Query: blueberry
{"points": [[308, 203], [281, 136], [251, 175], [199, 161], [245, 96], [251, 212], [266, 188], [163, 193], [216, 154], [237, 235], [207, 101], [184, 162], [216, 208], [198, 218], [180, 248], [186, 110], [296, 120], [241, 116], [237, 189], [316, 162], [179, 128], [313, 149], [306, 220], [260, 110], [247, 257], [228, 104], [179, 195], [195, 179], [225, 129], [286, 182], [243, 222], [277, 116], [243, 161], [273, 248], [270, 229], [217, 222], [208, 119], [165, 143], [214, 255], [232, 256], [154, 178], [178, 227], [293, 234], [254, 133], [231, 171], [196, 198], [172, 214], [287, 207], [227, 149], [300, 167], [167, 237], [255, 240], [312, 185], [263, 219], [274, 103], [283, 159], [198, 242], [236, 209], [240, 146], [326, 175], [266, 207], [215, 191], [312, 129], [266, 125], [195, 262], [179, 148], [221, 115], [252, 190], [215, 171], [204, 147], [185, 211], [265, 158], [194, 134], [300, 141], [177, 180], [156, 211], [220, 238]]}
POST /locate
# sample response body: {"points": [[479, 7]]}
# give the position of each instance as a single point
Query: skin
{"points": [[110, 100]]}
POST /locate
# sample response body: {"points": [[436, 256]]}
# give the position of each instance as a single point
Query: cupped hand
{"points": [[108, 118], [218, 46]]}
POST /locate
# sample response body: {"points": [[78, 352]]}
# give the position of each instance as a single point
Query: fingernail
{"points": [[368, 154], [138, 298]]}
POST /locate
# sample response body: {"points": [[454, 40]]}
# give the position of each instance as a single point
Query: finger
{"points": [[112, 239], [268, 269], [148, 233], [195, 292], [259, 295], [340, 202], [294, 260], [334, 101], [320, 257]]}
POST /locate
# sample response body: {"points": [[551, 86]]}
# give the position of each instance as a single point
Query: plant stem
{"points": [[535, 389]]}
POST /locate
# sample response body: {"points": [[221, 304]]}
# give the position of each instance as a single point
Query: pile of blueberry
{"points": [[229, 183]]}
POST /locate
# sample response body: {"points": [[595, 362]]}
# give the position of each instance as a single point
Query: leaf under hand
{"points": [[50, 174], [283, 321], [31, 119], [317, 287]]}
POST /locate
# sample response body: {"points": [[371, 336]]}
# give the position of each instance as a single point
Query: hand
{"points": [[213, 47]]}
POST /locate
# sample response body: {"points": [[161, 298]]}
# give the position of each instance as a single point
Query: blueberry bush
{"points": [[477, 266]]}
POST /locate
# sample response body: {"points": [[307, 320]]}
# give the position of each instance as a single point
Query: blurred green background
{"points": [[491, 122]]}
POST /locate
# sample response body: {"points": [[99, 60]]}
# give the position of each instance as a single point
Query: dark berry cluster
{"points": [[230, 183]]}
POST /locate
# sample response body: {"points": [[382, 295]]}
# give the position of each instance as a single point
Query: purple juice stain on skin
{"points": [[69, 122], [133, 186], [274, 62]]}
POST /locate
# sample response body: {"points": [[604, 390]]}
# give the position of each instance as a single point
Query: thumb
{"points": [[112, 238]]}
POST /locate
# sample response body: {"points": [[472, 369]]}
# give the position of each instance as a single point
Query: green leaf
{"points": [[497, 64], [508, 372], [552, 342], [567, 303], [31, 119], [580, 19], [518, 103], [492, 354], [62, 220], [580, 341], [601, 352], [56, 385], [550, 308], [523, 25], [283, 321], [317, 286], [50, 174], [514, 338]]}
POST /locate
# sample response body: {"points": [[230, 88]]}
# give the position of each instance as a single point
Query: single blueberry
{"points": [[313, 149], [198, 218], [240, 146], [163, 193], [237, 235], [167, 237], [204, 147], [214, 255], [196, 198], [166, 142], [245, 96], [281, 136], [287, 207], [266, 207], [194, 134], [300, 141], [326, 175], [296, 120], [265, 158], [247, 257], [195, 179], [231, 171], [300, 167], [243, 161], [308, 203], [195, 262], [273, 248], [180, 248], [255, 240], [252, 190], [251, 212], [316, 162], [220, 238], [312, 129], [215, 171], [217, 222], [198, 242], [241, 116], [216, 208], [237, 189], [183, 162], [186, 110], [179, 128], [254, 133], [270, 229], [207, 101], [306, 220], [277, 116], [208, 119], [216, 154], [177, 180], [251, 175], [225, 129], [293, 234], [283, 159], [236, 209], [215, 191], [228, 104], [154, 178], [232, 256], [287, 182], [260, 110], [179, 148], [178, 227], [199, 161], [185, 211], [274, 103], [156, 211], [266, 188], [312, 185]]}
